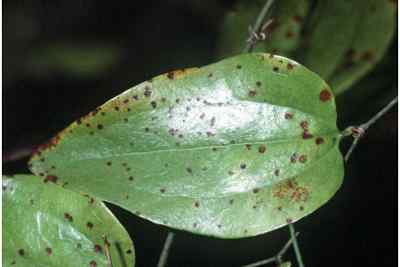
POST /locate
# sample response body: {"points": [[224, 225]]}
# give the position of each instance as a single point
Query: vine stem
{"points": [[276, 258], [164, 253], [358, 131], [296, 246], [257, 25]]}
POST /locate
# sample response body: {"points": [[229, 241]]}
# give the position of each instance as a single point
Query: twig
{"points": [[296, 246], [358, 131], [277, 258], [164, 254], [252, 41]]}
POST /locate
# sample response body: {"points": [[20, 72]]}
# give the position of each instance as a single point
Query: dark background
{"points": [[61, 59]]}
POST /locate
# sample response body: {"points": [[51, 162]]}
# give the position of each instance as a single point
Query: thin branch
{"points": [[359, 131], [257, 25], [276, 258], [164, 254], [296, 246]]}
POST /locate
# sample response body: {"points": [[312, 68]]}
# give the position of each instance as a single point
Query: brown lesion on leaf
{"points": [[178, 74], [292, 191]]}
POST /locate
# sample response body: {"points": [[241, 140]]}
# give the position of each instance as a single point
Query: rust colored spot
{"points": [[153, 104], [238, 67], [290, 66], [276, 69], [135, 97], [307, 135], [189, 170], [304, 125], [126, 101], [262, 148], [319, 140], [109, 163], [367, 56], [243, 166], [116, 108], [50, 178], [289, 34], [325, 95], [298, 18], [89, 225], [303, 158], [252, 93], [256, 190], [248, 146], [93, 264], [48, 251], [68, 217], [258, 83], [21, 252], [97, 248], [162, 190], [288, 115], [99, 126], [288, 220], [276, 172], [170, 75], [299, 194], [129, 251], [197, 204], [231, 201]]}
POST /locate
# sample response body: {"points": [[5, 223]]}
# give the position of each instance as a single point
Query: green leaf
{"points": [[347, 39], [46, 225], [283, 33], [374, 34], [252, 138]]}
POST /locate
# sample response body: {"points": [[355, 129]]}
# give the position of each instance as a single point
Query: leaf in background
{"points": [[46, 225], [232, 149], [332, 28], [374, 33], [283, 33]]}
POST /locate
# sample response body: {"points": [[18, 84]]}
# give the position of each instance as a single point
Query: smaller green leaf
{"points": [[285, 264], [46, 225]]}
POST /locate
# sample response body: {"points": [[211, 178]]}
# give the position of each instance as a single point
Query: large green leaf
{"points": [[46, 225], [232, 149]]}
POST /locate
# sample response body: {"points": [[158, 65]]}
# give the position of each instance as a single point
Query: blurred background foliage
{"points": [[61, 59]]}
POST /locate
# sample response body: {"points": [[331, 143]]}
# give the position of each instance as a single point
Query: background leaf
{"points": [[250, 138], [46, 225]]}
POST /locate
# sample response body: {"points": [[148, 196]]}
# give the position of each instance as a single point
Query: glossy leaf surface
{"points": [[46, 225], [232, 149]]}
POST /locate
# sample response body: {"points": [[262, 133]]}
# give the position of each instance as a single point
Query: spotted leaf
{"points": [[46, 225], [232, 149]]}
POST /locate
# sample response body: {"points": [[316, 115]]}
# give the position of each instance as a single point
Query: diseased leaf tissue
{"points": [[232, 149]]}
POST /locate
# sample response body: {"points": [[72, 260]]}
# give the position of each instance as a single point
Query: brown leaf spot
{"points": [[325, 95], [298, 18], [100, 126], [50, 178], [130, 178], [303, 158], [196, 204], [319, 140], [189, 170], [243, 166], [238, 67], [248, 146], [93, 263], [256, 190], [262, 149], [276, 69], [89, 225], [231, 201], [135, 97], [21, 252], [97, 248], [307, 135], [171, 75], [288, 115], [304, 125], [258, 83], [252, 93], [153, 104], [129, 251], [48, 251], [147, 91], [109, 163], [116, 108], [276, 172], [162, 190], [68, 217]]}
